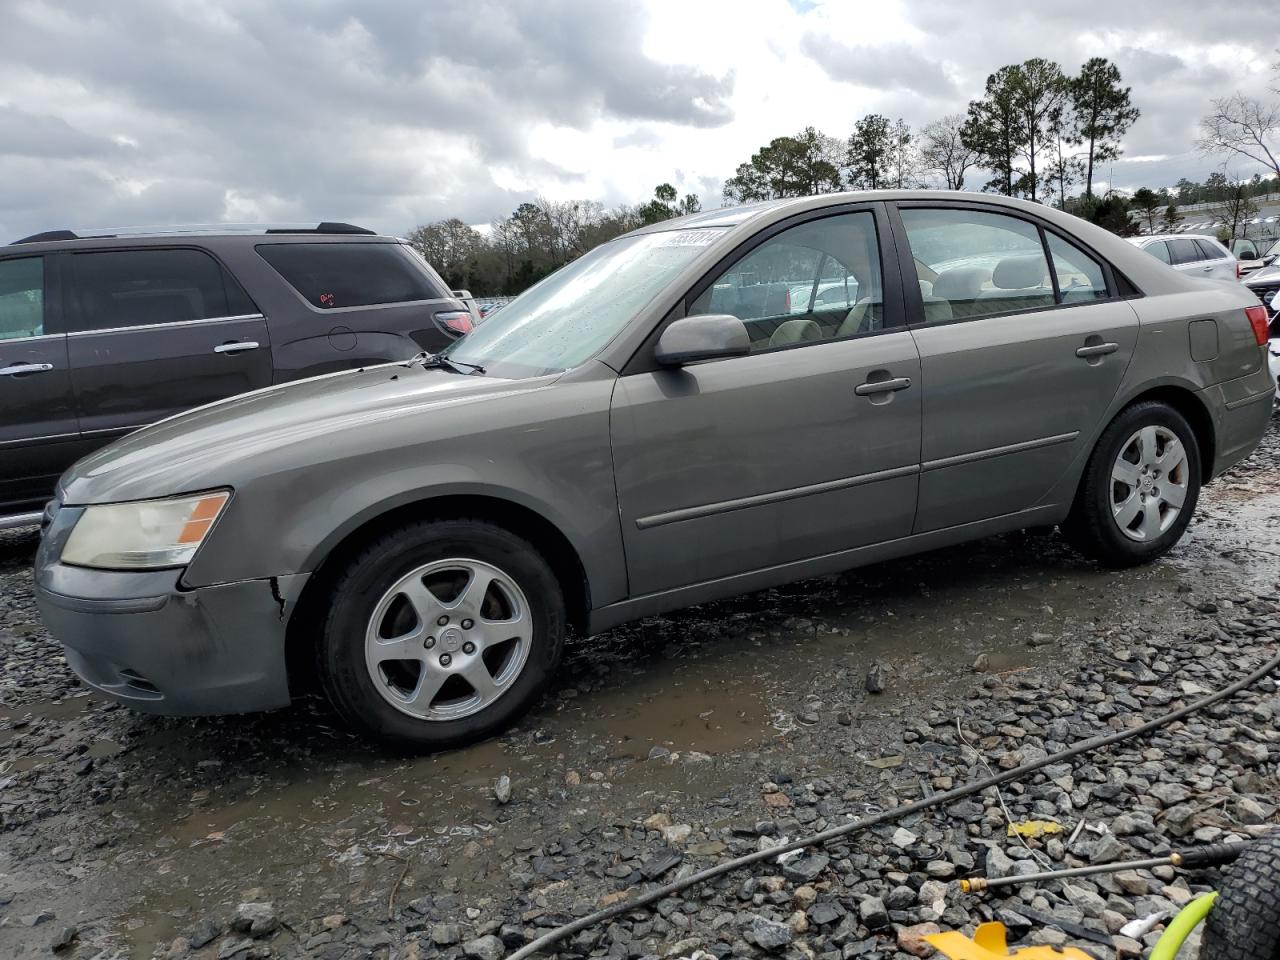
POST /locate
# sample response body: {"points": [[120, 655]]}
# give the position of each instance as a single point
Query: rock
{"points": [[1132, 883], [911, 939], [255, 919], [66, 936], [1170, 794], [1249, 753], [982, 663], [805, 897], [1250, 811], [873, 913], [658, 753], [502, 790], [1107, 849], [768, 934], [232, 946], [900, 897], [875, 679], [827, 912], [677, 833], [485, 948], [903, 838], [572, 779], [657, 821], [1180, 820], [445, 934], [805, 868], [205, 932], [1089, 902], [662, 860]]}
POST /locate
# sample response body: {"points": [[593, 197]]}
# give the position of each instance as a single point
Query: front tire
{"points": [[441, 633], [1139, 488]]}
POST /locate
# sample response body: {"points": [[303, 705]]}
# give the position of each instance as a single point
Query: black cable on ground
{"points": [[856, 826]]}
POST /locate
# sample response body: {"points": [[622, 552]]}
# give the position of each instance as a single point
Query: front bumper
{"points": [[144, 640]]}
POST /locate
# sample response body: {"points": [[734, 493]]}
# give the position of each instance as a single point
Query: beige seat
{"points": [[961, 287], [861, 318], [799, 330], [1020, 283]]}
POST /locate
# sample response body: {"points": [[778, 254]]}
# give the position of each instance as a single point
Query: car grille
{"points": [[1264, 291]]}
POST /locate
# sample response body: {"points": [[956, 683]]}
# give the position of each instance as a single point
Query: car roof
{"points": [[322, 232], [1171, 236]]}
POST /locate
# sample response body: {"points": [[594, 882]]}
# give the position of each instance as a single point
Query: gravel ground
{"points": [[675, 743]]}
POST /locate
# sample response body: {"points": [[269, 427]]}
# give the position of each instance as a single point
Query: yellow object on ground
{"points": [[1034, 828], [1180, 927], [989, 943]]}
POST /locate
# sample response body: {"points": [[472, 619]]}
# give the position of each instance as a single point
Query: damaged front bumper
{"points": [[145, 640]]}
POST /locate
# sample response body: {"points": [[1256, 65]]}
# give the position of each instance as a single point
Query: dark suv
{"points": [[101, 335]]}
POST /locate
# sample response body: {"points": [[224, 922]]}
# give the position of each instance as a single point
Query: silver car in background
{"points": [[1194, 253], [650, 427]]}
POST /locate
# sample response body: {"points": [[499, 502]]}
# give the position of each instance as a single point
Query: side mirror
{"points": [[1269, 259], [708, 337]]}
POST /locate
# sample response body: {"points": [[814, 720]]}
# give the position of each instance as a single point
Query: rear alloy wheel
{"points": [[441, 633], [1139, 488]]}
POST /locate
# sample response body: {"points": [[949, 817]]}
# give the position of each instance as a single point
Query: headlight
{"points": [[144, 535]]}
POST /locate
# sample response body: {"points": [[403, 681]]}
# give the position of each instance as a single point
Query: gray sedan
{"points": [[650, 427]]}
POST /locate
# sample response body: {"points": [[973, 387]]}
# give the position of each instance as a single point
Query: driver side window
{"points": [[816, 281]]}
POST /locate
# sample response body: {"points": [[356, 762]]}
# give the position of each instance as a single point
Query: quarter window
{"points": [[21, 298], [1080, 277], [974, 264], [816, 281], [1210, 250], [129, 288], [329, 275]]}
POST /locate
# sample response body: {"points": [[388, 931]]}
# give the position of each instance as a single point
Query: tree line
{"points": [[535, 239]]}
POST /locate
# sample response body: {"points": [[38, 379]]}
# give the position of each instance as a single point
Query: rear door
{"points": [[1019, 361], [38, 430], [154, 331], [1219, 262]]}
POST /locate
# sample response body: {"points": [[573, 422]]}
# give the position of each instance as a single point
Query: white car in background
{"points": [[1193, 253]]}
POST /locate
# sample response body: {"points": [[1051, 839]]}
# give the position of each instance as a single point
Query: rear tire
{"points": [[441, 633], [1244, 922], [1139, 488]]}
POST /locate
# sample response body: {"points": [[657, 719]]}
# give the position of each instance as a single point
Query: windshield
{"points": [[566, 318]]}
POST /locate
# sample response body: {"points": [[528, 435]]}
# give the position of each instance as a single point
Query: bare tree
{"points": [[943, 150], [1242, 126], [1238, 209]]}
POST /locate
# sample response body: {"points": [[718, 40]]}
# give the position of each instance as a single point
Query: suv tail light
{"points": [[1239, 271], [454, 322], [1259, 321]]}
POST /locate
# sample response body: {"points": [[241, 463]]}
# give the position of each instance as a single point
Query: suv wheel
{"points": [[441, 633], [1139, 488]]}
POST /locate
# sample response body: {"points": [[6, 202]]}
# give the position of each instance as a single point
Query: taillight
{"points": [[454, 322], [1239, 272], [1259, 321]]}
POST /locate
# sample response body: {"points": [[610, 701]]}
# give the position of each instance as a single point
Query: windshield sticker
{"points": [[690, 238]]}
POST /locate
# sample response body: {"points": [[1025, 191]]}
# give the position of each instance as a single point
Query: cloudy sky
{"points": [[391, 113]]}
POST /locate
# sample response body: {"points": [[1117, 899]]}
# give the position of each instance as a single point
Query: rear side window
{"points": [[1158, 249], [1080, 277], [129, 288], [1184, 250], [974, 264], [329, 275], [21, 298], [1210, 250]]}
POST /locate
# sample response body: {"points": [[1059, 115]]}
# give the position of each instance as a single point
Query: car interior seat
{"points": [[798, 330]]}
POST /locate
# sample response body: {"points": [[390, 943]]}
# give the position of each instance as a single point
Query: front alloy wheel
{"points": [[441, 632], [448, 639]]}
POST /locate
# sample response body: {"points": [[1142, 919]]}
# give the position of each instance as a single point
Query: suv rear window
{"points": [[329, 275]]}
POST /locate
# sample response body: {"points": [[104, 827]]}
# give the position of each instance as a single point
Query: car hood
{"points": [[1264, 275], [215, 445]]}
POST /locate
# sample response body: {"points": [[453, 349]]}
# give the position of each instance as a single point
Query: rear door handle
{"points": [[18, 369], [239, 346], [872, 387], [1097, 350]]}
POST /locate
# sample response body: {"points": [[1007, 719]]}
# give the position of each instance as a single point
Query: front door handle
{"points": [[18, 369], [236, 346], [872, 387], [1096, 350]]}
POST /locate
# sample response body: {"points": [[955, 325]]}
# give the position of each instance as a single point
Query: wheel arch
{"points": [[1187, 403], [564, 559]]}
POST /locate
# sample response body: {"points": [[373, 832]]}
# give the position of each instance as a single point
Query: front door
{"points": [[39, 436], [807, 446], [1023, 343], [157, 331]]}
